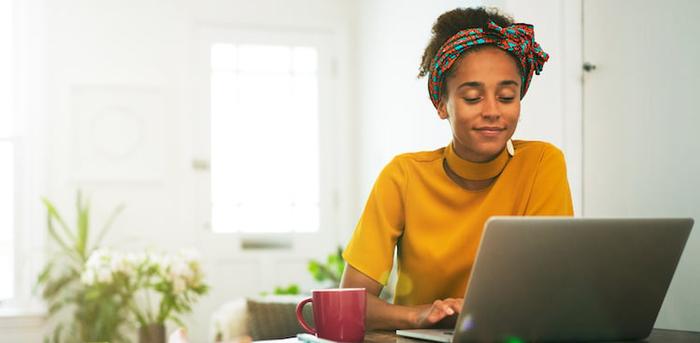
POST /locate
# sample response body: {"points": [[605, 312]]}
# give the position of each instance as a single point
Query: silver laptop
{"points": [[567, 279]]}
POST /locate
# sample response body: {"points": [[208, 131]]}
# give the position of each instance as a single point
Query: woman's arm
{"points": [[382, 315]]}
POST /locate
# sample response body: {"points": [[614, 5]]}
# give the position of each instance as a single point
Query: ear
{"points": [[442, 109]]}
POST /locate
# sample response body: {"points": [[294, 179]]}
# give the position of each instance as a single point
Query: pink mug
{"points": [[339, 314]]}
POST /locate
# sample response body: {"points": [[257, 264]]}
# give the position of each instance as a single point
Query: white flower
{"points": [[98, 258], [136, 259], [161, 261], [179, 286], [122, 264], [88, 277], [104, 275], [179, 269]]}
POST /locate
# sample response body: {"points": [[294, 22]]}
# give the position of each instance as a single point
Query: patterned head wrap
{"points": [[518, 39]]}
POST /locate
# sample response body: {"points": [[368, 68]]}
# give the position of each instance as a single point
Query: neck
{"points": [[475, 171]]}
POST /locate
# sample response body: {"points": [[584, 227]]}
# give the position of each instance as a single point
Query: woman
{"points": [[432, 206]]}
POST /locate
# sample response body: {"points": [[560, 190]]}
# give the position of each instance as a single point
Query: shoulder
{"points": [[419, 157], [539, 155], [408, 163], [537, 150]]}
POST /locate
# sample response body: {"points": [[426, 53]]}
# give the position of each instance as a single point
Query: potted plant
{"points": [[93, 313], [160, 287]]}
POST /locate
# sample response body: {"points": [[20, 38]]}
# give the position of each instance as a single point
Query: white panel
{"points": [[7, 222], [117, 133], [7, 81], [640, 126]]}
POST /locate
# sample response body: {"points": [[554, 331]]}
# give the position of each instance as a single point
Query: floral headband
{"points": [[518, 39]]}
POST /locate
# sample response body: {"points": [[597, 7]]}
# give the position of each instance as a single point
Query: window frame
{"points": [[259, 244]]}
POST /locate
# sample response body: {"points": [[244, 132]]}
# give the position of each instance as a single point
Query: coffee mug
{"points": [[339, 314]]}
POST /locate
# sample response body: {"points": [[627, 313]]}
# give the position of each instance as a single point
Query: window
{"points": [[267, 107], [264, 138], [7, 153]]}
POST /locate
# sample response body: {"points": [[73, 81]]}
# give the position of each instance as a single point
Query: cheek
{"points": [[514, 111], [515, 117]]}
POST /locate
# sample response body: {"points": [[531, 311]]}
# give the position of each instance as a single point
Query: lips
{"points": [[489, 130]]}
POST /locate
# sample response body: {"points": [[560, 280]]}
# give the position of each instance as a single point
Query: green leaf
{"points": [[43, 276], [177, 321], [292, 289], [117, 211], [57, 333], [54, 234], [53, 287], [82, 226], [315, 270], [57, 306], [53, 213]]}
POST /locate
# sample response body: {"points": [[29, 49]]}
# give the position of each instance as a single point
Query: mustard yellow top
{"points": [[436, 225]]}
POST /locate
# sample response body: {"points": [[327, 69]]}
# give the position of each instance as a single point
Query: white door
{"points": [[641, 120]]}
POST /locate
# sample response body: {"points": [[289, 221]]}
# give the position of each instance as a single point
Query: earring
{"points": [[510, 148]]}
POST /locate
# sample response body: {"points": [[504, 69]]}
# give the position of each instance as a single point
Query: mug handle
{"points": [[300, 316]]}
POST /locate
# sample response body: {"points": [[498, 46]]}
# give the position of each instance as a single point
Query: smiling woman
{"points": [[430, 207]]}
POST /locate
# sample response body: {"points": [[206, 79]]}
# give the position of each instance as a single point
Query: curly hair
{"points": [[449, 23]]}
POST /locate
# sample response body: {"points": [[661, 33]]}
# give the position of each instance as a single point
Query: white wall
{"points": [[141, 52], [641, 121]]}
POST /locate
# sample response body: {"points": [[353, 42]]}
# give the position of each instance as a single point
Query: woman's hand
{"points": [[429, 315], [384, 316]]}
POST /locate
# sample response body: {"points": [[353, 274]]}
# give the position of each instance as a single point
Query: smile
{"points": [[490, 131]]}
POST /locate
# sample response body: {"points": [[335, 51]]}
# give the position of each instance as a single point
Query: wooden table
{"points": [[657, 336]]}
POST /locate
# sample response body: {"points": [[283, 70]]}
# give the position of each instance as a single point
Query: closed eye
{"points": [[472, 100]]}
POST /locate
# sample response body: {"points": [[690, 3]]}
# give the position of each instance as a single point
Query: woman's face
{"points": [[482, 103]]}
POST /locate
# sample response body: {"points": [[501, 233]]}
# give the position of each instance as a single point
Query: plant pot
{"points": [[152, 333]]}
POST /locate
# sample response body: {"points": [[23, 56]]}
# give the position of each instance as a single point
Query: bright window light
{"points": [[264, 138]]}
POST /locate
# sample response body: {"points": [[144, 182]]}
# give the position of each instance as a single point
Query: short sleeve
{"points": [[371, 248], [550, 194]]}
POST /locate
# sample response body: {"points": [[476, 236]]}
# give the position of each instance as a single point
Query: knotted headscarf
{"points": [[518, 39]]}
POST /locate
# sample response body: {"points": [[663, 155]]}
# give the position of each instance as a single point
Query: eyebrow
{"points": [[481, 84]]}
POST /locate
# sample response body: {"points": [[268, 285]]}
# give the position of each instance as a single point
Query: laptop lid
{"points": [[570, 279]]}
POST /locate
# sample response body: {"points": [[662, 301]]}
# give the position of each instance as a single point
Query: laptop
{"points": [[567, 279]]}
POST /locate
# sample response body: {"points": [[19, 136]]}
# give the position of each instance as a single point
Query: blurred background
{"points": [[252, 131]]}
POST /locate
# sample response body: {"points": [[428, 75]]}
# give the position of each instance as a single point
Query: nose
{"points": [[490, 109]]}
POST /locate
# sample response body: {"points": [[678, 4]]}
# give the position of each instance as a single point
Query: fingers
{"points": [[456, 304], [444, 308], [439, 310], [450, 305]]}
